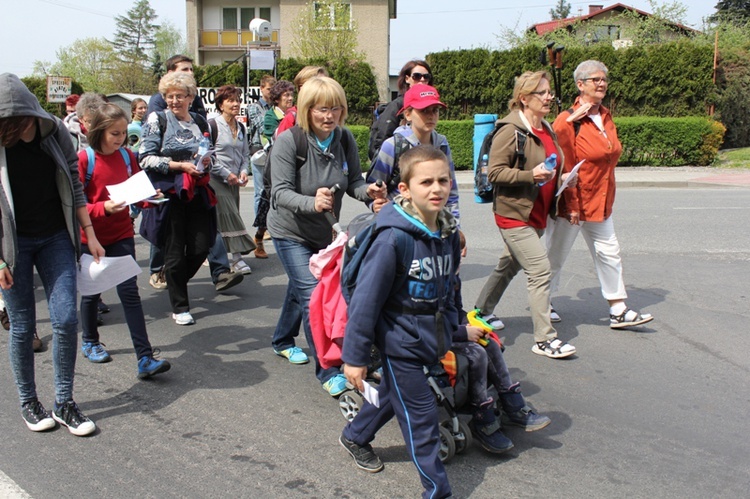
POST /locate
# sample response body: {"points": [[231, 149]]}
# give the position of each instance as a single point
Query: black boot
{"points": [[486, 428], [517, 413]]}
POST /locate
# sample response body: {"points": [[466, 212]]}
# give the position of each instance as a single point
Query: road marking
{"points": [[10, 489], [711, 207]]}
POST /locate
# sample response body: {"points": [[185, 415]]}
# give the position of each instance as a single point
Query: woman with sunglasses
{"points": [[524, 197], [413, 72], [586, 131]]}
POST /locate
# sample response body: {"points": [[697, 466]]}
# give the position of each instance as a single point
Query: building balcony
{"points": [[217, 39]]}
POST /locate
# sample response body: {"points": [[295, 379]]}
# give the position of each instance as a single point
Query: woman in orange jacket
{"points": [[587, 132]]}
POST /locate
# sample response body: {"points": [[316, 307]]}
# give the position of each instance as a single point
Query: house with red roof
{"points": [[612, 24]]}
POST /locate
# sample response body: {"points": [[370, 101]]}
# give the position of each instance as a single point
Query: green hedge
{"points": [[645, 140]]}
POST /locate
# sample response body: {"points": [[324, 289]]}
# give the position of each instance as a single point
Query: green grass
{"points": [[734, 158]]}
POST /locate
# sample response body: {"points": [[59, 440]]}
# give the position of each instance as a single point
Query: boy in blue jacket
{"points": [[411, 324]]}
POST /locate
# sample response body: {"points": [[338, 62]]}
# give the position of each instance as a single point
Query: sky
{"points": [[35, 29]]}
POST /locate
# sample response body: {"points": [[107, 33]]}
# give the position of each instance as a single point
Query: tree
{"points": [[168, 41], [561, 10], [88, 61], [732, 10], [134, 35], [326, 30]]}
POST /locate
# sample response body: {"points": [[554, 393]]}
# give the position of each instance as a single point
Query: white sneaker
{"points": [[553, 315], [183, 319], [241, 267], [494, 321]]}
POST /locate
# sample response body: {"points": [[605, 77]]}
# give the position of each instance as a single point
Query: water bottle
{"points": [[549, 163], [203, 147]]}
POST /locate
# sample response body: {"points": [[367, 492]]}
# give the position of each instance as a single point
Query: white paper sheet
{"points": [[95, 278], [136, 188], [211, 155], [371, 394], [573, 174]]}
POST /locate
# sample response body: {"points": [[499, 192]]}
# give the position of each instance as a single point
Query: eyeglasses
{"points": [[542, 93], [421, 76], [326, 110], [596, 81], [176, 97]]}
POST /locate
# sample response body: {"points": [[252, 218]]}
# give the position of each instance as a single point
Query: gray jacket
{"points": [[17, 100], [292, 214]]}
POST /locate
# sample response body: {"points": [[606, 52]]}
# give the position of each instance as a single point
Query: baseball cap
{"points": [[420, 97]]}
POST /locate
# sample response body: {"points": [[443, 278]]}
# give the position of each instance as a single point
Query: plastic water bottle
{"points": [[549, 163], [203, 147]]}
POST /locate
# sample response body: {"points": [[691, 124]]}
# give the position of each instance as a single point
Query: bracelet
{"points": [[3, 265], [87, 226]]}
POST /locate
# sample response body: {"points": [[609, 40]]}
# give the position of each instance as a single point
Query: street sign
{"points": [[58, 88]]}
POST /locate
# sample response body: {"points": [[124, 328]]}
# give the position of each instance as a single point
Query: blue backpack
{"points": [[92, 162], [362, 232]]}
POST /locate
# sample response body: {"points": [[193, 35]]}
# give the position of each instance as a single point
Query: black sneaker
{"points": [[70, 416], [364, 457], [36, 417]]}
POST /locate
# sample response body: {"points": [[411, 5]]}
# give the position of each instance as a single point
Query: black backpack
{"points": [[483, 188], [301, 147]]}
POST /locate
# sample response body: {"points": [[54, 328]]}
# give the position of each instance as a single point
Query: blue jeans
{"points": [[218, 261], [55, 261], [257, 184], [295, 257], [131, 305], [155, 259]]}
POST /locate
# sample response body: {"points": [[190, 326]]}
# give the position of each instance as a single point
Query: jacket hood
{"points": [[17, 100], [405, 131], [401, 214]]}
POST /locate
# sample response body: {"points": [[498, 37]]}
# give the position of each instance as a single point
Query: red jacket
{"points": [[109, 170], [328, 314], [594, 195]]}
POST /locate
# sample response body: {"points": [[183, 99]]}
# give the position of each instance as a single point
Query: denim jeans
{"points": [[218, 261], [295, 257], [55, 260], [155, 259], [486, 364], [257, 184], [131, 305]]}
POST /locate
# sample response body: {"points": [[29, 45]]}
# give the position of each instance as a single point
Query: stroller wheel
{"points": [[447, 445], [464, 440], [350, 403]]}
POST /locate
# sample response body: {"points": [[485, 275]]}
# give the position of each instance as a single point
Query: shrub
{"points": [[669, 141]]}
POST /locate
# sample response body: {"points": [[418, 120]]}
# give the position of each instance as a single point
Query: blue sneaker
{"points": [[295, 355], [95, 352], [336, 385], [148, 366]]}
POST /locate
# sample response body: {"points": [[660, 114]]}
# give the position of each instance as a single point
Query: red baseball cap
{"points": [[420, 97]]}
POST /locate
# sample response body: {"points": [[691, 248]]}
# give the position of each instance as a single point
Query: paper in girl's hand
{"points": [[371, 394], [135, 189]]}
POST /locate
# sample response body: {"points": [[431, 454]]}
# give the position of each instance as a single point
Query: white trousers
{"points": [[603, 245]]}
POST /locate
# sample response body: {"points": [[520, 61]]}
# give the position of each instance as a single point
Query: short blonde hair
{"points": [[525, 84], [178, 80], [306, 73], [322, 91]]}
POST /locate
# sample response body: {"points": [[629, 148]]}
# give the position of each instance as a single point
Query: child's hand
{"points": [[111, 207], [356, 376], [475, 333]]}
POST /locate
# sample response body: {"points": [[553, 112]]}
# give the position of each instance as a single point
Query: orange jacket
{"points": [[594, 195]]}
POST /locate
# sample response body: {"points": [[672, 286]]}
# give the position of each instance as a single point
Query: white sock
{"points": [[618, 308]]}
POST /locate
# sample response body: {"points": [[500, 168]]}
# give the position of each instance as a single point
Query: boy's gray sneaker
{"points": [[364, 457]]}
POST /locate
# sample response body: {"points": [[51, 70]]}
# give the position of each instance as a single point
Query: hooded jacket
{"points": [[515, 189], [404, 323], [17, 100]]}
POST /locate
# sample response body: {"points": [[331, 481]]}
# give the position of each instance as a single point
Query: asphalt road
{"points": [[655, 412]]}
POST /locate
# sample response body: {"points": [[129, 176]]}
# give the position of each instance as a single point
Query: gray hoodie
{"points": [[17, 100]]}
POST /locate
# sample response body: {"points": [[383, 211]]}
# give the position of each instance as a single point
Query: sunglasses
{"points": [[421, 76]]}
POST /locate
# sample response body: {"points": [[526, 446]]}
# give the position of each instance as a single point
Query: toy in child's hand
{"points": [[477, 321]]}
